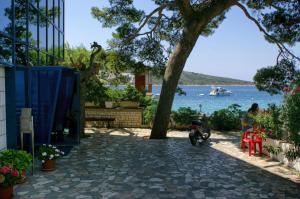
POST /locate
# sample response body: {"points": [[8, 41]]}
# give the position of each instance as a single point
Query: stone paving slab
{"points": [[123, 164]]}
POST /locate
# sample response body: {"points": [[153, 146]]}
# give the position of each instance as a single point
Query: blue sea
{"points": [[242, 95]]}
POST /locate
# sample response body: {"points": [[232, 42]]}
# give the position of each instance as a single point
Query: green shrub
{"points": [[270, 120], [184, 115], [95, 92], [149, 112], [145, 101], [16, 159], [130, 93], [291, 117], [226, 119], [114, 95]]}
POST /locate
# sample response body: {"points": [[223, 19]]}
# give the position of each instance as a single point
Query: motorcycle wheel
{"points": [[193, 139], [205, 134]]}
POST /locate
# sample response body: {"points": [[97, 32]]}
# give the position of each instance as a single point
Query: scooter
{"points": [[199, 130]]}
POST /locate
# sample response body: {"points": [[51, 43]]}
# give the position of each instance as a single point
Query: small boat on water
{"points": [[219, 91]]}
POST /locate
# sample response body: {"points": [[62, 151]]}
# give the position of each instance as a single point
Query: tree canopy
{"points": [[274, 79], [165, 36], [151, 37]]}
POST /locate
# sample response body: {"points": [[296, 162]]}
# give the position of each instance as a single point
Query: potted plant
{"points": [[130, 97], [18, 160], [112, 96], [48, 155], [8, 178]]}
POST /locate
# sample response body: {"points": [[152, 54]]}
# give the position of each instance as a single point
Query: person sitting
{"points": [[248, 121]]}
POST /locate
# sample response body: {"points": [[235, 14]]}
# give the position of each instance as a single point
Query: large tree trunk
{"points": [[86, 75], [195, 25], [172, 74]]}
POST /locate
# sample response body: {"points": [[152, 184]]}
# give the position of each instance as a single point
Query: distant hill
{"points": [[191, 78]]}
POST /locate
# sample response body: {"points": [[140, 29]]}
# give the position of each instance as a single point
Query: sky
{"points": [[237, 49]]}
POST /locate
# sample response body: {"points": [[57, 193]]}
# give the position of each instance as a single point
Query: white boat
{"points": [[219, 91]]}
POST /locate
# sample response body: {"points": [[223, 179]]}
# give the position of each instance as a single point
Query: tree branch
{"points": [[160, 15], [280, 45], [145, 20], [185, 8], [93, 67]]}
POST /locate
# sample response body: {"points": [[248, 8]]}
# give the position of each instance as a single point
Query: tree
{"points": [[89, 64], [97, 68], [166, 36], [274, 79]]}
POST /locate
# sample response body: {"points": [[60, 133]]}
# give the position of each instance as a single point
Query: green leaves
{"points": [[184, 115], [291, 117], [149, 112], [281, 18], [130, 93], [271, 121], [16, 159], [226, 119], [274, 78], [120, 12]]}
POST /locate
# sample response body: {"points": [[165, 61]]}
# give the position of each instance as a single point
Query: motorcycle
{"points": [[199, 130]]}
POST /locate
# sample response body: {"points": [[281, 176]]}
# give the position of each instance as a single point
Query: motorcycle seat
{"points": [[197, 123]]}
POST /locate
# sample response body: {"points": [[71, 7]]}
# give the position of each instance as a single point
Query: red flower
{"points": [[15, 173], [5, 170]]}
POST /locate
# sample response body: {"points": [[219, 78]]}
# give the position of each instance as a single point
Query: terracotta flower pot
{"points": [[48, 165], [6, 192]]}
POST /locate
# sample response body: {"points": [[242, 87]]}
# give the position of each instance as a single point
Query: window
{"points": [[5, 50], [61, 45], [56, 12], [42, 7], [50, 11], [50, 60], [42, 36], [39, 32], [33, 28], [33, 3], [20, 20], [50, 39], [5, 12], [56, 43], [43, 59], [61, 15], [21, 55], [33, 57]]}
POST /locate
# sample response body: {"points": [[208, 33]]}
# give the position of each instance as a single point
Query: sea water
{"points": [[242, 95]]}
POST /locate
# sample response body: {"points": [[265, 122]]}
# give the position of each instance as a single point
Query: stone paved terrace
{"points": [[124, 164]]}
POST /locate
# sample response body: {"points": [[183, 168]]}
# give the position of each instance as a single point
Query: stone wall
{"points": [[2, 110], [123, 117], [281, 157]]}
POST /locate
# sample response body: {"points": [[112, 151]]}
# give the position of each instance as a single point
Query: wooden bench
{"points": [[107, 120]]}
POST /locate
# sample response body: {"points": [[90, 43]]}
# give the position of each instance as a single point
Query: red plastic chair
{"points": [[247, 139], [257, 139]]}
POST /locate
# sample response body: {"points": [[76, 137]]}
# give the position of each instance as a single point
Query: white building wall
{"points": [[2, 110]]}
